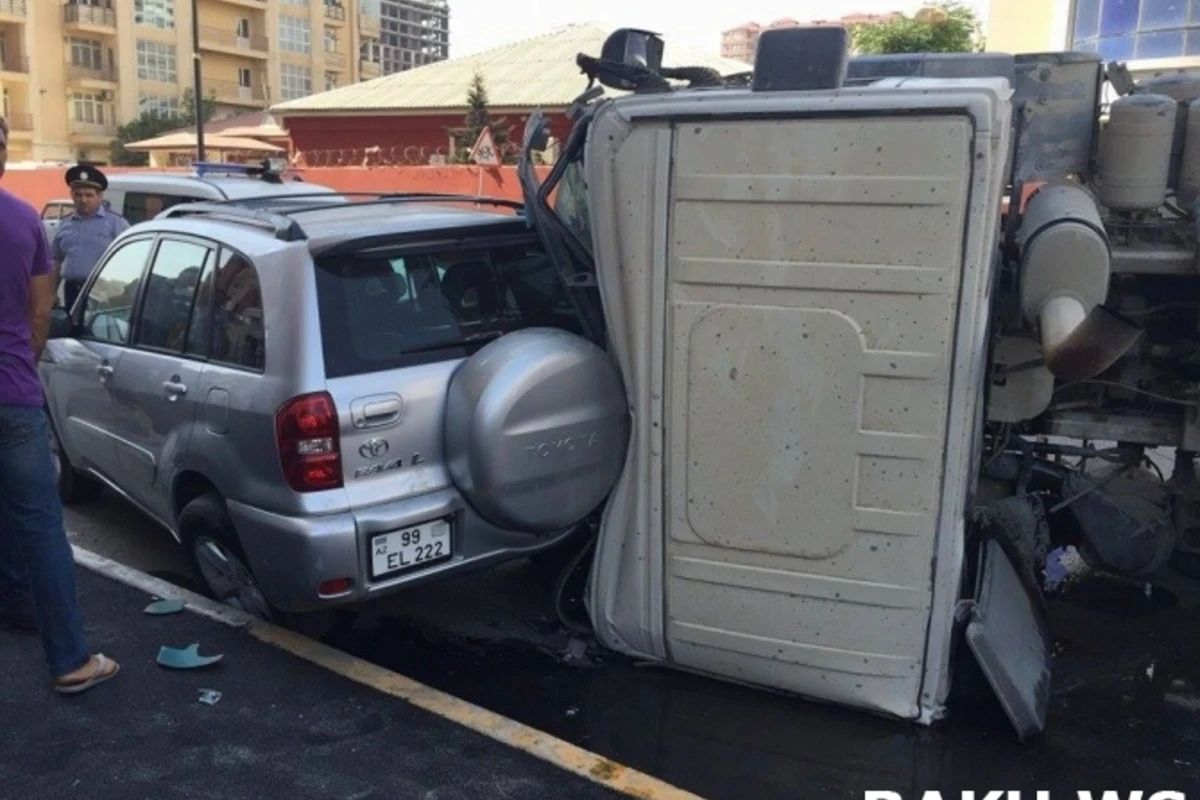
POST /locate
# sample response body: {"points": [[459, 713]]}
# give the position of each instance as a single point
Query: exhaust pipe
{"points": [[1065, 266], [1077, 345]]}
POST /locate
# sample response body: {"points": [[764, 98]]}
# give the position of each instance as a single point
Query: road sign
{"points": [[484, 152]]}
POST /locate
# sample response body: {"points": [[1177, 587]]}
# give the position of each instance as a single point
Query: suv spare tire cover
{"points": [[536, 430]]}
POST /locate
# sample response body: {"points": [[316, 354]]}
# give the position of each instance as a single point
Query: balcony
{"points": [[92, 77], [335, 13], [13, 67], [90, 19], [335, 60], [223, 41], [370, 26], [93, 131], [259, 4], [20, 125], [13, 10], [233, 93], [369, 69]]}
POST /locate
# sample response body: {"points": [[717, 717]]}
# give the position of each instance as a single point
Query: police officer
{"points": [[83, 237]]}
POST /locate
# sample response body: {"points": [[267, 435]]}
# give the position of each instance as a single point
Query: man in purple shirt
{"points": [[37, 569]]}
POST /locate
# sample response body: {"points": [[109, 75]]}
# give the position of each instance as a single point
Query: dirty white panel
{"points": [[813, 272]]}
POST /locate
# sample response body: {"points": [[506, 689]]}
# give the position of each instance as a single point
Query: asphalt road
{"points": [[283, 727], [1125, 708]]}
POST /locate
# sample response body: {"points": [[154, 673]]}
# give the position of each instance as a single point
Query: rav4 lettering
{"points": [[567, 444], [387, 466]]}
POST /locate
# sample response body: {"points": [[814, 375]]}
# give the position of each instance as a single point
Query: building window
{"points": [[88, 108], [369, 51], [295, 81], [156, 62], [371, 8], [331, 81], [331, 41], [158, 105], [297, 3], [1136, 30], [87, 53], [413, 33], [295, 34], [155, 13], [7, 103]]}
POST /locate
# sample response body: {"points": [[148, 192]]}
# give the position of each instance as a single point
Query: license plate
{"points": [[408, 548]]}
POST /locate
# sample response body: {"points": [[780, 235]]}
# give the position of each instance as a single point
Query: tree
{"points": [[948, 27], [151, 124], [479, 117]]}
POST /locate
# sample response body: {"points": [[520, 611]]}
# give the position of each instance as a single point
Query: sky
{"points": [[482, 24]]}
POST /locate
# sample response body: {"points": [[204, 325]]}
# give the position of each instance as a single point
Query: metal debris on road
{"points": [[210, 697], [161, 608], [185, 658]]}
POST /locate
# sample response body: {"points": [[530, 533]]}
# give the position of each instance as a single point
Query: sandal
{"points": [[106, 669]]}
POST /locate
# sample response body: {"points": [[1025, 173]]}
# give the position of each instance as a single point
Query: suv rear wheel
{"points": [[212, 547]]}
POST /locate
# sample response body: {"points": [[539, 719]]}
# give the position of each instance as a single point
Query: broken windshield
{"points": [[570, 204], [563, 228]]}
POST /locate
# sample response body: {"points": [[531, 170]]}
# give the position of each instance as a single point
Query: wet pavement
{"points": [[1125, 713]]}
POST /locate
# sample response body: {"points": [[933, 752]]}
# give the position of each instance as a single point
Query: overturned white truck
{"points": [[870, 387]]}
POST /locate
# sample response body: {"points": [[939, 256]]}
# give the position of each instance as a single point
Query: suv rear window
{"points": [[381, 312]]}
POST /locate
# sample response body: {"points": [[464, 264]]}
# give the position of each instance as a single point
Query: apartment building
{"points": [[71, 72], [741, 43]]}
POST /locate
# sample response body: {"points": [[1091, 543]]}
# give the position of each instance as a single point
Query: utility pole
{"points": [[197, 84]]}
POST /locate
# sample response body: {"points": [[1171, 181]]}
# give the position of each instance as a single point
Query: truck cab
{"points": [[811, 278]]}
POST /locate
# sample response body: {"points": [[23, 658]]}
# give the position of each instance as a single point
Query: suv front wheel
{"points": [[216, 556]]}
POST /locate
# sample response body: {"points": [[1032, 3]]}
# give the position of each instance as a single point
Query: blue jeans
{"points": [[35, 557]]}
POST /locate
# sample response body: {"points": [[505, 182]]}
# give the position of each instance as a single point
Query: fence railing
{"points": [[82, 73], [337, 13], [93, 128], [90, 15], [14, 8], [15, 64], [233, 40], [20, 122], [390, 156], [232, 90]]}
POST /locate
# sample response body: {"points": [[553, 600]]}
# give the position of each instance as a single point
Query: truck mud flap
{"points": [[1011, 641]]}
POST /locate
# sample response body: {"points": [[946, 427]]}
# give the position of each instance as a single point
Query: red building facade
{"points": [[409, 138]]}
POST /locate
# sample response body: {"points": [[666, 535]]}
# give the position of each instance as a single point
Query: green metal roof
{"points": [[537, 72]]}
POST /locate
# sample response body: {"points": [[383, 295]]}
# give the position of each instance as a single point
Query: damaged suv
{"points": [[296, 392]]}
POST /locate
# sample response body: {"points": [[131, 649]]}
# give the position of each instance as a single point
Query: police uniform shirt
{"points": [[80, 241]]}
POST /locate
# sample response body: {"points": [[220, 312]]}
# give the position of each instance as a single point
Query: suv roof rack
{"points": [[377, 198], [279, 220], [281, 226], [262, 170]]}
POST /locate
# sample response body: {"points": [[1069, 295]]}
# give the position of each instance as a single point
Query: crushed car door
{"points": [[799, 313]]}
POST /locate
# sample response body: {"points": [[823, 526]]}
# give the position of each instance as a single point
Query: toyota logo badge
{"points": [[373, 448]]}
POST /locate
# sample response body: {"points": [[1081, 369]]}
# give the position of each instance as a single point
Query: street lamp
{"points": [[197, 86]]}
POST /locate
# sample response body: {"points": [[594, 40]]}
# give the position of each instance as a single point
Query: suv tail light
{"points": [[306, 432]]}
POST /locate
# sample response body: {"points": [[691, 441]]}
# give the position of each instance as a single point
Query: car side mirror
{"points": [[61, 324], [635, 48]]}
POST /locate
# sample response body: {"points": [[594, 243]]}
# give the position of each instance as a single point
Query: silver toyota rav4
{"points": [[327, 401]]}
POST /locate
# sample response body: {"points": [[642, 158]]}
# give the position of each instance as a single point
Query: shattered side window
{"points": [[571, 203]]}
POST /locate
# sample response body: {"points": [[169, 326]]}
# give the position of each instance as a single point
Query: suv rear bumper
{"points": [[293, 556]]}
